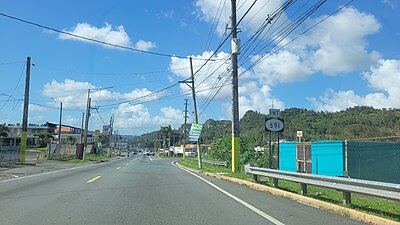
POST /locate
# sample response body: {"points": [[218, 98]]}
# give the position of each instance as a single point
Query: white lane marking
{"points": [[127, 164], [118, 168], [150, 158], [15, 176], [51, 172], [252, 208]]}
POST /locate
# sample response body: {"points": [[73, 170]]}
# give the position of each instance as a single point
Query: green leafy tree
{"points": [[103, 139], [43, 139], [3, 130], [70, 140]]}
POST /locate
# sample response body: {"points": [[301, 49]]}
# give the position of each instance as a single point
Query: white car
{"points": [[190, 154]]}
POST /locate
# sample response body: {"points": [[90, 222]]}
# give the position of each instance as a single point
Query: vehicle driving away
{"points": [[225, 112]]}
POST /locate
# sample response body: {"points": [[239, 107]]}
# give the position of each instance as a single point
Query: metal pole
{"points": [[195, 113], [184, 130], [86, 125], [277, 155], [22, 153], [346, 159], [270, 151], [235, 94]]}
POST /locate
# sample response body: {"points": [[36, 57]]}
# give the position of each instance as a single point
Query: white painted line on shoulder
{"points": [[150, 158], [249, 206], [118, 168], [51, 172]]}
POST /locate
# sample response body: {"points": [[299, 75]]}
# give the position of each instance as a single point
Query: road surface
{"points": [[146, 190]]}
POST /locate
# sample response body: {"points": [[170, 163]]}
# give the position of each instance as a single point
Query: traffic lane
{"points": [[165, 193], [35, 195], [285, 210], [138, 193], [154, 192]]}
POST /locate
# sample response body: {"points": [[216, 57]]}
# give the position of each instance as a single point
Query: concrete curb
{"points": [[352, 213]]}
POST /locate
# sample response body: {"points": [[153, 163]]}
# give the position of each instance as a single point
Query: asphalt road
{"points": [[146, 190]]}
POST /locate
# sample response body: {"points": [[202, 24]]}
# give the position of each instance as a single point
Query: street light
{"points": [[59, 124]]}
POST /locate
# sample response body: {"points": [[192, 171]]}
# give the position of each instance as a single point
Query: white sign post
{"points": [[299, 134]]}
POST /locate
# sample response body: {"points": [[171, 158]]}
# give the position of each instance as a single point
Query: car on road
{"points": [[149, 153], [189, 154]]}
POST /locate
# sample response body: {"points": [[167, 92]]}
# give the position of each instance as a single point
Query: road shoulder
{"points": [[364, 217]]}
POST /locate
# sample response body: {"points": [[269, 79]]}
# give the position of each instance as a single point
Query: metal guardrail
{"points": [[346, 185], [219, 163]]}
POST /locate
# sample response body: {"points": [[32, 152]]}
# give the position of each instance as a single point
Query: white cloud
{"points": [[73, 94], [107, 33], [208, 9], [204, 81], [138, 116], [71, 121], [338, 44], [282, 67], [35, 108], [384, 77], [145, 45]]}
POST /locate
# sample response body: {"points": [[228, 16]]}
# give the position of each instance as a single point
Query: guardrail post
{"points": [[303, 189], [275, 182], [255, 177], [346, 198]]}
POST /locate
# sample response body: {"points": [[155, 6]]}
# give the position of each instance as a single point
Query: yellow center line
{"points": [[91, 180]]}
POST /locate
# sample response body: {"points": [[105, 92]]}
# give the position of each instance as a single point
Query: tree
{"points": [[70, 140], [44, 139], [103, 139], [3, 130]]}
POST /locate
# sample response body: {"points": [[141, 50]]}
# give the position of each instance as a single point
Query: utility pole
{"points": [[195, 108], [86, 124], [22, 152], [235, 94], [110, 135], [184, 129]]}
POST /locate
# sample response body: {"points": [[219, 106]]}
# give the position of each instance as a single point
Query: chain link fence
{"points": [[376, 159], [9, 154]]}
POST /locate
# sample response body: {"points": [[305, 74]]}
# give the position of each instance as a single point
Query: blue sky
{"points": [[352, 58]]}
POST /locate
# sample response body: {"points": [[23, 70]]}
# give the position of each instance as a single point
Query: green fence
{"points": [[377, 161]]}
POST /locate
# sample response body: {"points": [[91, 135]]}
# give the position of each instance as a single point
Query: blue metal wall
{"points": [[328, 158], [287, 156]]}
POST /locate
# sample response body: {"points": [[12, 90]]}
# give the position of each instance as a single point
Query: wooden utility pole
{"points": [[86, 124], [22, 153], [195, 113], [184, 130], [235, 94], [194, 106]]}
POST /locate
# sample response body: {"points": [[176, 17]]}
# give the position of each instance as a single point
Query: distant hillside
{"points": [[356, 122]]}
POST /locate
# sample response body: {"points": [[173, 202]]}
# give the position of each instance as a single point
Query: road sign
{"points": [[195, 131], [274, 113], [106, 129], [274, 125], [299, 133]]}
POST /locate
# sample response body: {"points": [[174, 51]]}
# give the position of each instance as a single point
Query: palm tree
{"points": [[44, 139], [3, 130], [71, 140]]}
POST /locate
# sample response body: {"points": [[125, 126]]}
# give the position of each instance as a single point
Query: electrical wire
{"points": [[91, 39]]}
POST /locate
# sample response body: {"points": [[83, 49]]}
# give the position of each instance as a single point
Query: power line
{"points": [[91, 39]]}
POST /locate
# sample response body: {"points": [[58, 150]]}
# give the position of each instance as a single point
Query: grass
{"points": [[88, 158], [38, 149], [371, 205]]}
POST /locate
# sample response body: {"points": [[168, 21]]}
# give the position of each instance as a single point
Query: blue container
{"points": [[328, 158], [287, 156]]}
